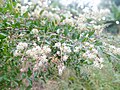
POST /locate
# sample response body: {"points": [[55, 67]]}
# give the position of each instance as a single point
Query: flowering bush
{"points": [[40, 43]]}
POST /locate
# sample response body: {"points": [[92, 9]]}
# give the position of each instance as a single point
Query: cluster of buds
{"points": [[92, 54], [20, 47], [63, 51], [51, 16], [40, 55], [112, 48], [35, 31], [69, 21]]}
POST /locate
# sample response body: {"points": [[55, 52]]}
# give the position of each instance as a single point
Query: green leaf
{"points": [[29, 73], [74, 36], [98, 43], [66, 32], [41, 12], [1, 78], [2, 35], [25, 14], [84, 39], [91, 33]]}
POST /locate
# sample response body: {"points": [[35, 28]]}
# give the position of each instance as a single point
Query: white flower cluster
{"points": [[51, 16], [63, 47], [67, 14], [24, 5], [35, 31], [40, 54], [112, 48], [21, 46], [77, 48], [64, 50], [98, 62], [92, 54], [24, 9], [36, 12], [69, 21], [81, 26], [18, 6], [115, 50], [61, 68], [98, 15], [98, 29]]}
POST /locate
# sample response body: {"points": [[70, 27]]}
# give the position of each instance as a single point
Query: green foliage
{"points": [[115, 11], [2, 36], [17, 71]]}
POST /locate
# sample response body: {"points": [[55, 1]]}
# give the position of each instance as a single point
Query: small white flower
{"points": [[58, 44], [76, 49], [38, 48], [88, 52], [18, 5], [91, 45], [36, 12], [17, 53], [103, 18], [98, 65], [85, 55], [58, 53], [36, 67], [28, 52], [92, 39], [23, 69], [87, 43], [99, 19], [87, 35], [29, 3], [66, 49], [116, 51], [61, 68], [56, 17], [101, 66], [65, 57], [34, 44], [64, 44], [68, 21], [45, 13], [35, 31], [112, 47], [91, 56], [39, 3], [22, 46], [23, 9], [46, 49], [40, 63], [44, 58], [101, 60], [34, 56], [58, 31], [25, 45], [43, 22], [95, 51]]}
